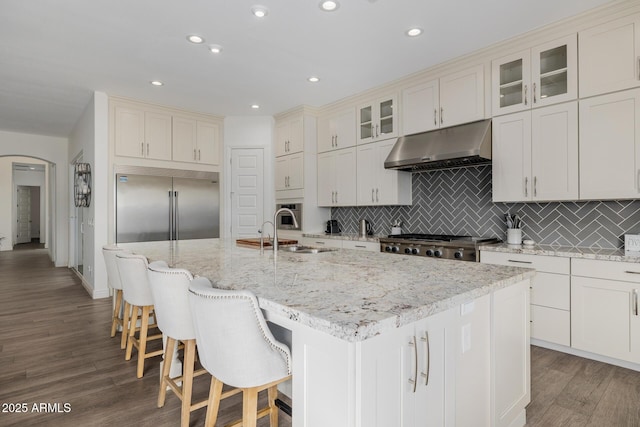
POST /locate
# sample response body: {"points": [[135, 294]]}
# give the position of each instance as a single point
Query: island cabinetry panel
{"points": [[450, 100], [610, 146], [337, 130], [377, 119], [535, 155], [143, 134], [377, 185], [609, 56], [544, 75], [195, 141], [604, 308], [550, 293], [337, 178]]}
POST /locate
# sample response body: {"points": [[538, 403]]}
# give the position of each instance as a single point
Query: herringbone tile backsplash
{"points": [[458, 201]]}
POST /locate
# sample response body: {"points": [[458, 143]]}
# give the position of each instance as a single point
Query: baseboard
{"points": [[520, 420], [586, 354]]}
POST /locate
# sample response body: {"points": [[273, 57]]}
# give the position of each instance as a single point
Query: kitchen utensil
{"points": [[365, 228]]}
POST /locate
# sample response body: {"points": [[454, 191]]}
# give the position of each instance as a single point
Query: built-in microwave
{"points": [[285, 220]]}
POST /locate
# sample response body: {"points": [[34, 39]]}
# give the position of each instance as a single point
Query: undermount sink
{"points": [[300, 249]]}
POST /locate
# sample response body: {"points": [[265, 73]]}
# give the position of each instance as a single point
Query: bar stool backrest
{"points": [[113, 276], [135, 282]]}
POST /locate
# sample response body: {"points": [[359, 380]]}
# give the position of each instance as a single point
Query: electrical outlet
{"points": [[632, 242], [467, 308]]}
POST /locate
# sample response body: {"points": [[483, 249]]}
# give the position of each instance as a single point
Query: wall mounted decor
{"points": [[82, 185]]}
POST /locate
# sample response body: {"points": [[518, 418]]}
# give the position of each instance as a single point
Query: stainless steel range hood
{"points": [[454, 147]]}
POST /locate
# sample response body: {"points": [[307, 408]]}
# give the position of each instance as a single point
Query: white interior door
{"points": [[247, 192], [24, 214]]}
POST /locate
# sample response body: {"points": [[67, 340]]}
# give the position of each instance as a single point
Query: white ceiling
{"points": [[54, 54]]}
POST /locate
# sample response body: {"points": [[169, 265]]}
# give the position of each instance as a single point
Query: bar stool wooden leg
{"points": [[166, 369], [215, 394], [142, 343], [272, 394], [249, 407], [126, 318], [187, 381], [116, 313], [133, 322]]}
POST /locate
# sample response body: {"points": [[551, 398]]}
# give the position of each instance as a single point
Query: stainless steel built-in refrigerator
{"points": [[152, 208]]}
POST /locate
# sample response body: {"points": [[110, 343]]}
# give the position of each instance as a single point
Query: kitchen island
{"points": [[383, 340]]}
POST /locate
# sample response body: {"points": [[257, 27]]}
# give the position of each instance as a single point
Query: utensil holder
{"points": [[514, 236]]}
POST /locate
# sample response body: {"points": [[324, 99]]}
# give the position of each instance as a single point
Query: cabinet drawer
{"points": [[551, 290], [328, 243], [551, 324], [612, 270], [363, 246], [549, 264]]}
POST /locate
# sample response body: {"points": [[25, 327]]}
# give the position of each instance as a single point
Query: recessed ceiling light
{"points": [[215, 48], [313, 79], [414, 32], [329, 5], [255, 106], [157, 83], [193, 38], [259, 11]]}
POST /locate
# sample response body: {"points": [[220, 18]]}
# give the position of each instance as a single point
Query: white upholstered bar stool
{"points": [[238, 349], [113, 280], [138, 301], [170, 290]]}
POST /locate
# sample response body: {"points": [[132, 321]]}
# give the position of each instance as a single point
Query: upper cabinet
{"points": [[451, 100], [337, 130], [337, 178], [610, 146], [144, 134], [610, 57], [195, 141], [377, 185], [546, 74], [378, 119], [289, 136]]}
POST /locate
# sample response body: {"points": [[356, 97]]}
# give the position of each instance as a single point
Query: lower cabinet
{"points": [[604, 308]]}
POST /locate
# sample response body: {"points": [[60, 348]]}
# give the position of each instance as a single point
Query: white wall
{"points": [[90, 138], [247, 132], [53, 150]]}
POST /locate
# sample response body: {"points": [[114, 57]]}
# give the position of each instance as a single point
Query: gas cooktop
{"points": [[464, 248]]}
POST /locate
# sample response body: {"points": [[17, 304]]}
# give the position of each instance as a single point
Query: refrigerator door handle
{"points": [[176, 222], [170, 215]]}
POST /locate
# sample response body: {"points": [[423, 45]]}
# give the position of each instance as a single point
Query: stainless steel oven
{"points": [[285, 220]]}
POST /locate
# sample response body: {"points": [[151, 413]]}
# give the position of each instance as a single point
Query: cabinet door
{"points": [[609, 56], [420, 107], [326, 178], [392, 187], [343, 128], [511, 76], [367, 168], [554, 69], [604, 319], [609, 146], [554, 152], [295, 174], [296, 135], [208, 137], [462, 97], [281, 172], [366, 125], [345, 176], [129, 132], [325, 135], [512, 157], [184, 134], [282, 138], [157, 135], [387, 115]]}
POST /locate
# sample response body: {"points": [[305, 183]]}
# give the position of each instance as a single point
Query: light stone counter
{"points": [[375, 238], [565, 251], [352, 295]]}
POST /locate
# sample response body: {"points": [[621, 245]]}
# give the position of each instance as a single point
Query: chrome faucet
{"points": [[275, 229], [261, 231]]}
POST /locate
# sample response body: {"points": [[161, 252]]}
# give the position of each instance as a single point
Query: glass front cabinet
{"points": [[544, 75], [378, 120]]}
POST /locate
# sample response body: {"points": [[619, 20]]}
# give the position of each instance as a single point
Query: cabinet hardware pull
{"points": [[194, 154], [320, 243], [635, 302], [632, 272], [435, 117], [414, 380], [372, 200], [336, 140], [336, 196], [427, 357], [142, 148], [441, 115], [377, 131], [525, 95], [526, 186], [377, 198], [333, 197], [534, 93], [535, 186], [332, 144], [199, 157], [520, 262], [361, 246]]}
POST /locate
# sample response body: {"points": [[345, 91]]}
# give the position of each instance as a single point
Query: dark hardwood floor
{"points": [[55, 350]]}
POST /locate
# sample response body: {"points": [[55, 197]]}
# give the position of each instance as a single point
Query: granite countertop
{"points": [[345, 236], [564, 251], [353, 295]]}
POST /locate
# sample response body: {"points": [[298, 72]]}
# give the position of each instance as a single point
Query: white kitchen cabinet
{"points": [[543, 75], [378, 119], [361, 246], [604, 308], [451, 100], [610, 146], [377, 185], [337, 178], [550, 293], [609, 56], [142, 134], [337, 130], [195, 141], [290, 136], [289, 172], [535, 155]]}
